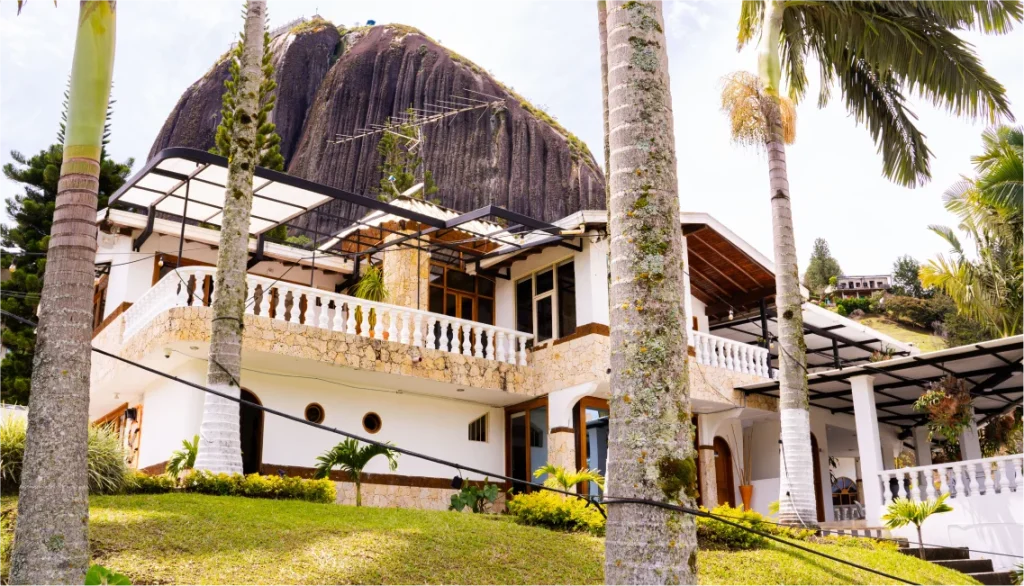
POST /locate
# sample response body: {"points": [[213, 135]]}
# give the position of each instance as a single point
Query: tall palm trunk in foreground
{"points": [[220, 446], [650, 446], [51, 539]]}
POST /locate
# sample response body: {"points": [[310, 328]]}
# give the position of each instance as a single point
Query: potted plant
{"points": [[948, 404], [371, 287], [746, 488]]}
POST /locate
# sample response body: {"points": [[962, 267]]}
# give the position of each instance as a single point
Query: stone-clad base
{"points": [[404, 497]]}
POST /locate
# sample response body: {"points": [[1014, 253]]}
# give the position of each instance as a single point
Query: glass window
{"points": [[460, 281], [524, 305], [545, 282], [485, 286], [538, 440], [544, 312], [566, 299], [517, 425], [436, 300], [485, 311]]}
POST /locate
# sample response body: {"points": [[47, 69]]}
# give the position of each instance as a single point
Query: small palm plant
{"points": [[352, 458], [184, 459], [371, 287], [560, 477], [902, 512]]}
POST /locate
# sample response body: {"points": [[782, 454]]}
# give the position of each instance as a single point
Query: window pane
{"points": [[436, 300], [485, 286], [566, 300], [545, 281], [461, 281], [544, 319], [538, 440], [485, 311], [524, 306], [467, 308], [436, 272], [449, 305], [518, 427]]}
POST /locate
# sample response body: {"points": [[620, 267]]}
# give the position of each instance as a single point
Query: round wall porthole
{"points": [[371, 422], [315, 413]]}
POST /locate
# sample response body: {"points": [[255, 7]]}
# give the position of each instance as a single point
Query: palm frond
{"points": [[902, 512], [749, 106], [751, 19], [183, 459], [987, 16], [349, 457], [949, 236], [565, 479], [913, 47], [876, 101], [371, 286]]}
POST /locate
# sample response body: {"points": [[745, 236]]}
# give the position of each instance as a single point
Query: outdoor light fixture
{"points": [[13, 267], [460, 390], [160, 261], [730, 314], [131, 414], [457, 482]]}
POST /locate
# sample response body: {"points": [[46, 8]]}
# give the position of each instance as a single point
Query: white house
{"points": [[859, 285], [493, 349]]}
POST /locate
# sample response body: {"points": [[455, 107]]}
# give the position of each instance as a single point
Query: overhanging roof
{"points": [[992, 370], [190, 183]]}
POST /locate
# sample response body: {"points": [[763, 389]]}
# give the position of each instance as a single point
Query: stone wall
{"points": [[406, 274], [404, 497], [562, 447], [711, 383], [576, 361]]}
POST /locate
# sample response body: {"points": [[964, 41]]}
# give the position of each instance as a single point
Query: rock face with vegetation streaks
{"points": [[330, 82]]}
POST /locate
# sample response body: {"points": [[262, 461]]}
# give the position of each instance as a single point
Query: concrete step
{"points": [[933, 554], [967, 566], [998, 578]]}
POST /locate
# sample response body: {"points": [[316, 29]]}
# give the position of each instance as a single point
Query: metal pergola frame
{"points": [[986, 382]]}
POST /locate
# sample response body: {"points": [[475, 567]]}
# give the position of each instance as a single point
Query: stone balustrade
{"points": [[731, 355], [983, 477], [298, 304]]}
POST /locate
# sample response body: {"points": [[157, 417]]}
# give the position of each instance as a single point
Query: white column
{"points": [[922, 446], [868, 445], [970, 448]]}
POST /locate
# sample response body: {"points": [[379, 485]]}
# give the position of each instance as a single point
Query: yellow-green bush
{"points": [[142, 483], [256, 486], [556, 511], [716, 533]]}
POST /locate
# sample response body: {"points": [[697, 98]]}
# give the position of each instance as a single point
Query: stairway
{"points": [[959, 559]]}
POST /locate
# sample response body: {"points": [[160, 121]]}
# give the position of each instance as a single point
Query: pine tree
{"points": [[822, 267], [268, 142], [25, 242]]}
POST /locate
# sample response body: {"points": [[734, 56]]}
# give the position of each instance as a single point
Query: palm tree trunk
{"points": [[220, 446], [602, 28], [650, 448], [920, 544], [796, 462], [51, 539], [359, 490]]}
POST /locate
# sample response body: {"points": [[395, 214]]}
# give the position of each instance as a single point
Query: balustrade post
{"points": [[943, 479], [971, 469], [350, 323], [260, 307], [431, 337], [404, 334], [446, 341], [392, 325], [490, 343], [990, 485], [478, 347], [467, 340], [499, 346], [522, 350], [324, 320], [417, 330], [278, 303], [1002, 469]]}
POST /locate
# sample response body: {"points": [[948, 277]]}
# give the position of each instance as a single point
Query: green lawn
{"points": [[924, 340], [189, 538]]}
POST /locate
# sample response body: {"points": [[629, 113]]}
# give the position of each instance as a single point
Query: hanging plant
{"points": [[948, 404]]}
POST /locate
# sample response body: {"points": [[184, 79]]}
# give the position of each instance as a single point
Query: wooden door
{"points": [[723, 472], [819, 505]]}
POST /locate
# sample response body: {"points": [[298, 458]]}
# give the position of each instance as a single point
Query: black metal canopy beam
{"points": [[147, 231]]}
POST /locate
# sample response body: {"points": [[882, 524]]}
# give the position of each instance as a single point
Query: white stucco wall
{"points": [[434, 426]]}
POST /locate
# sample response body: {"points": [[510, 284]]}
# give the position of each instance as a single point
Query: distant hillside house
{"points": [[860, 285]]}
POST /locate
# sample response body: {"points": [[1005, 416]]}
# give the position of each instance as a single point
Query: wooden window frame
{"points": [[525, 409], [580, 418], [99, 300], [475, 295], [486, 431], [535, 297]]}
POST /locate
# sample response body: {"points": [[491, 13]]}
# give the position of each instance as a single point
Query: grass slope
{"points": [[188, 538], [924, 340]]}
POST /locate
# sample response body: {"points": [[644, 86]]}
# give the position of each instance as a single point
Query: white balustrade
{"points": [[974, 478], [720, 352]]}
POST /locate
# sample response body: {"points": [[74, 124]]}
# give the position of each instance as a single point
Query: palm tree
{"points": [[559, 477], [902, 512], [183, 459], [51, 543], [650, 447], [352, 458], [220, 442], [871, 50], [371, 287]]}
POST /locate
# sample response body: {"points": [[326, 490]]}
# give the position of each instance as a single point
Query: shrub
{"points": [[716, 533], [555, 511], [257, 486], [476, 498], [142, 483], [849, 305], [108, 472], [920, 313]]}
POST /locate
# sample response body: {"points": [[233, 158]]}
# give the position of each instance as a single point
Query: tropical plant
{"points": [[183, 459], [650, 449], [98, 574], [220, 448], [547, 509], [871, 51], [822, 269], [108, 471], [371, 287], [475, 497], [948, 404], [1017, 574], [906, 280], [560, 477], [990, 288], [902, 512], [53, 507], [351, 458]]}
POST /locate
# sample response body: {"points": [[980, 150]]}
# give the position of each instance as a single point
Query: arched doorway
{"points": [[723, 472], [250, 422], [816, 456]]}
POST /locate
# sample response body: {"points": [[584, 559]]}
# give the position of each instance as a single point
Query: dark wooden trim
{"points": [[562, 429], [580, 421], [584, 330], [263, 422], [531, 404], [370, 478], [113, 315], [705, 447]]}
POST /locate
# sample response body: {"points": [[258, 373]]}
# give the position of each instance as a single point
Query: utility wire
{"points": [[459, 467]]}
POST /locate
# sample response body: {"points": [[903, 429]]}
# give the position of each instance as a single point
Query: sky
{"points": [[548, 52]]}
